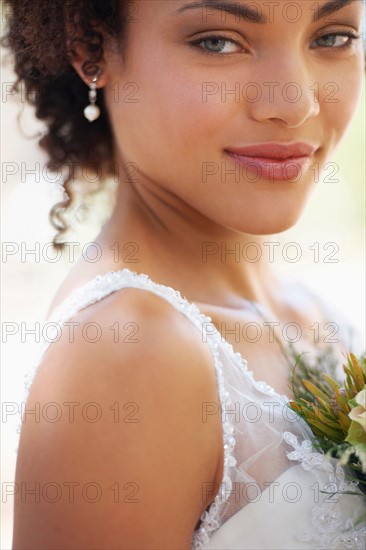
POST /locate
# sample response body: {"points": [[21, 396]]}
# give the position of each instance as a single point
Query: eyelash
{"points": [[351, 35]]}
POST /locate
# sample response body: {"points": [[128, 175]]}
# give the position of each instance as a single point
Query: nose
{"points": [[288, 97]]}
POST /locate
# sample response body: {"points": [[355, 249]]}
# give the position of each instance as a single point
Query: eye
{"points": [[216, 44], [336, 40]]}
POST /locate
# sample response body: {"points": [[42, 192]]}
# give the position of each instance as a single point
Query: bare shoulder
{"points": [[129, 388]]}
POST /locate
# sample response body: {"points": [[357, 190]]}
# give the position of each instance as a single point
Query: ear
{"points": [[85, 50]]}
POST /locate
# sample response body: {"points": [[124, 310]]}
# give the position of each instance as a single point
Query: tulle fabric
{"points": [[259, 429]]}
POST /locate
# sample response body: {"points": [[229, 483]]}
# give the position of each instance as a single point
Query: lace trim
{"points": [[101, 286], [327, 518], [105, 284]]}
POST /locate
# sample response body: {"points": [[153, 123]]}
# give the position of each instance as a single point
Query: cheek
{"points": [[339, 98], [168, 113]]}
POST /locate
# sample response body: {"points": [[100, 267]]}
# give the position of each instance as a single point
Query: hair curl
{"points": [[42, 36]]}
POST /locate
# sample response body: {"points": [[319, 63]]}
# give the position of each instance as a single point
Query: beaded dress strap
{"points": [[103, 285]]}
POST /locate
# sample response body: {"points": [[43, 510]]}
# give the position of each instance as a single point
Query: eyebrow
{"points": [[330, 7], [241, 10], [255, 16]]}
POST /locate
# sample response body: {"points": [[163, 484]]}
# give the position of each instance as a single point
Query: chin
{"points": [[269, 225]]}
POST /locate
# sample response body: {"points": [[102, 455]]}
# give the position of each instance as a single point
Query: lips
{"points": [[273, 161], [275, 150]]}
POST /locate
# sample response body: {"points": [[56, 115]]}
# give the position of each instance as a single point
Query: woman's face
{"points": [[198, 81]]}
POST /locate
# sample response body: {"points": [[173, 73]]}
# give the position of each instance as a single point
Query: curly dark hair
{"points": [[38, 36]]}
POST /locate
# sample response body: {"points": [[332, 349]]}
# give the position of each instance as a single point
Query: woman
{"points": [[215, 117]]}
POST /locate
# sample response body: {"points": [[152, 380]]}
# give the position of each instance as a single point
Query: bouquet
{"points": [[335, 412]]}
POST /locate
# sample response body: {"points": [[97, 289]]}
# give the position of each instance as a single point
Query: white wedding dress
{"points": [[271, 494]]}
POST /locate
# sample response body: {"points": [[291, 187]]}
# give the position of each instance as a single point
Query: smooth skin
{"points": [[170, 213], [149, 459]]}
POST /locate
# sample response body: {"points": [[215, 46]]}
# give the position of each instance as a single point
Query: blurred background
{"points": [[330, 236]]}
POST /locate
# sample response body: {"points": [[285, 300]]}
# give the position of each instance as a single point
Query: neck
{"points": [[176, 245]]}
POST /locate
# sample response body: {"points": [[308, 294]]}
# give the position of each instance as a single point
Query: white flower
{"points": [[358, 414]]}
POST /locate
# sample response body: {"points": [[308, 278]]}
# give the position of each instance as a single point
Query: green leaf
{"points": [[332, 383], [356, 434], [335, 435], [344, 421], [326, 420], [357, 371], [315, 390], [352, 402]]}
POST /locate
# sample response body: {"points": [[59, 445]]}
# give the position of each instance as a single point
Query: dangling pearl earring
{"points": [[92, 111]]}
